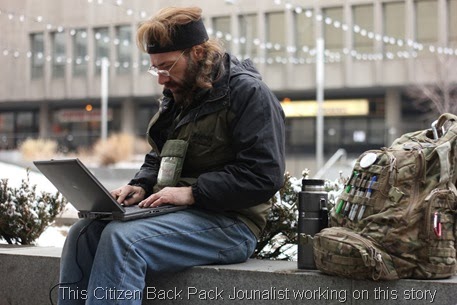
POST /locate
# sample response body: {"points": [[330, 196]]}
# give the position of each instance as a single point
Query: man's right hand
{"points": [[129, 194]]}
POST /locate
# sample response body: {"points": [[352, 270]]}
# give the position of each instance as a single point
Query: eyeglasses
{"points": [[153, 70]]}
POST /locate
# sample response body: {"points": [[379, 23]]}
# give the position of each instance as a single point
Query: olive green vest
{"points": [[210, 149]]}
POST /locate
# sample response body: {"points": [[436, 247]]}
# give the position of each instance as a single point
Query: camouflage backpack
{"points": [[397, 215]]}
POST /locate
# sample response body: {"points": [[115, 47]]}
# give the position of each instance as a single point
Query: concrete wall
{"points": [[29, 272]]}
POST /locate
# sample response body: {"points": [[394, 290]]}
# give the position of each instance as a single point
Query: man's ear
{"points": [[197, 52]]}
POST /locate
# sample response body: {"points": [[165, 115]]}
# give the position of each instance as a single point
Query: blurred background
{"points": [[386, 67]]}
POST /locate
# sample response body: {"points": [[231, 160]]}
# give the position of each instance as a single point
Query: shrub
{"points": [[279, 239], [118, 147], [24, 214], [32, 149]]}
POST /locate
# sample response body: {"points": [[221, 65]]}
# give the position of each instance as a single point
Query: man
{"points": [[229, 130]]}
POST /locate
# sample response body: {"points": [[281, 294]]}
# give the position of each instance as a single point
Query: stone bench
{"points": [[29, 272]]}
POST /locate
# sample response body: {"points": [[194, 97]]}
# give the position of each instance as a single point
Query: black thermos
{"points": [[312, 217]]}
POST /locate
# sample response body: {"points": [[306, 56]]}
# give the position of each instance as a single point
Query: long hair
{"points": [[161, 27]]}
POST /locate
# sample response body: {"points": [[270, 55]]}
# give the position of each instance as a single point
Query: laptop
{"points": [[80, 187]]}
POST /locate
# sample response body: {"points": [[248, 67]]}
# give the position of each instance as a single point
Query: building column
{"points": [[392, 115], [43, 120], [128, 117]]}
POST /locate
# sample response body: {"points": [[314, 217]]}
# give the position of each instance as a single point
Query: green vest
{"points": [[210, 149]]}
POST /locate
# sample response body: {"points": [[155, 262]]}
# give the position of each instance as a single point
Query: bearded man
{"points": [[217, 148]]}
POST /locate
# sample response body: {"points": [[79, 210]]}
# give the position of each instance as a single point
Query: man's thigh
{"points": [[181, 239]]}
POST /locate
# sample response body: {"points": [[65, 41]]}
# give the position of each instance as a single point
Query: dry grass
{"points": [[118, 147], [141, 146], [34, 149]]}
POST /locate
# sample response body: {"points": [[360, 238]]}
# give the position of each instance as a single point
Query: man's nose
{"points": [[162, 79]]}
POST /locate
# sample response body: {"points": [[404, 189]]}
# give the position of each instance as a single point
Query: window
{"points": [[124, 48], [304, 34], [355, 131], [145, 62], [376, 131], [426, 21], [6, 130], [394, 24], [248, 34], [102, 43], [58, 56], [334, 38], [37, 43], [80, 57], [276, 38], [221, 27], [363, 24], [300, 133], [452, 24]]}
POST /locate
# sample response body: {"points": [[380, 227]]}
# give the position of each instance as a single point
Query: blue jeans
{"points": [[113, 257]]}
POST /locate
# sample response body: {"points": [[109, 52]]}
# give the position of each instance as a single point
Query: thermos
{"points": [[312, 217]]}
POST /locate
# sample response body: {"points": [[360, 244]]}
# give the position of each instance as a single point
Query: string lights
{"points": [[412, 48]]}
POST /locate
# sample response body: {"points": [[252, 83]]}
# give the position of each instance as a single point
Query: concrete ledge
{"points": [[29, 272]]}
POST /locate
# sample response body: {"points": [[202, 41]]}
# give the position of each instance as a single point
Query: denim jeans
{"points": [[113, 256]]}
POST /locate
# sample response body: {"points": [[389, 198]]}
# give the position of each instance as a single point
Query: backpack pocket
{"points": [[342, 252], [438, 234]]}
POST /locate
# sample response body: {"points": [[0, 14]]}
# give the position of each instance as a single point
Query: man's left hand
{"points": [[169, 195]]}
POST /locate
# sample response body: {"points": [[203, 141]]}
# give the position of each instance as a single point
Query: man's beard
{"points": [[188, 86]]}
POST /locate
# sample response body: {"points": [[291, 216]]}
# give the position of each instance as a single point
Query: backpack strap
{"points": [[444, 118], [443, 152]]}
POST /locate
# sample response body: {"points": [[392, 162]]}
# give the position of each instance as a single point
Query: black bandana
{"points": [[185, 36]]}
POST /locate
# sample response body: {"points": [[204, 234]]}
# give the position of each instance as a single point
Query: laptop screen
{"points": [[78, 185]]}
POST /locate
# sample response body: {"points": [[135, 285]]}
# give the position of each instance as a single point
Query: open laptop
{"points": [[80, 187]]}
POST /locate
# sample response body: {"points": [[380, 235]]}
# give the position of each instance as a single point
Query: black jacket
{"points": [[236, 144]]}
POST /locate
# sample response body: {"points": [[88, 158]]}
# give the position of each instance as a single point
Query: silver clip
{"points": [[435, 130]]}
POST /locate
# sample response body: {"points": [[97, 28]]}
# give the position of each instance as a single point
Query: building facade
{"points": [[373, 52]]}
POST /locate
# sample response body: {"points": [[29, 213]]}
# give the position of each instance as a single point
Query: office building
{"points": [[373, 53]]}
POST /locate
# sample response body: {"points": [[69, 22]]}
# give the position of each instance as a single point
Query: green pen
{"points": [[341, 203]]}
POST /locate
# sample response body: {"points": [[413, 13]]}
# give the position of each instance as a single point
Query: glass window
{"points": [[26, 126], [276, 38], [355, 131], [124, 48], [426, 21], [394, 24], [80, 57], [25, 122], [6, 130], [301, 132], [102, 43], [332, 134], [221, 27], [376, 131], [334, 38], [58, 50], [248, 34], [37, 43], [363, 24], [452, 15], [304, 34], [145, 62]]}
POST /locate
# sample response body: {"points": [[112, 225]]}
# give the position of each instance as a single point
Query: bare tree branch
{"points": [[440, 96]]}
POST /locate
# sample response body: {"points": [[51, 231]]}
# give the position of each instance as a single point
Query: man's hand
{"points": [[170, 195], [129, 194]]}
